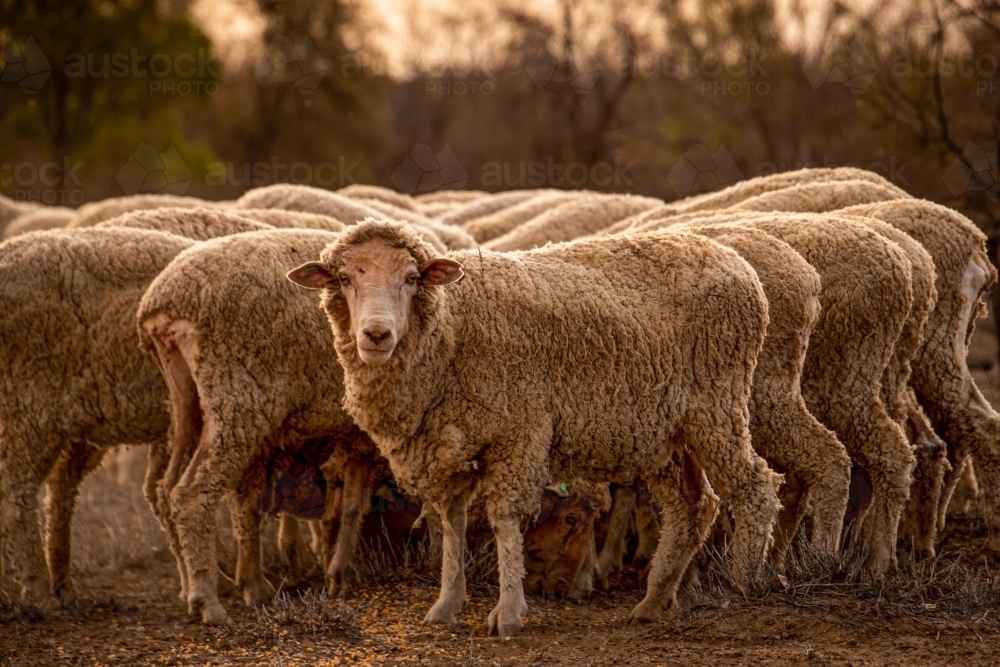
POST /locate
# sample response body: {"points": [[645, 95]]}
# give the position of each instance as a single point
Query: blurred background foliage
{"points": [[659, 97]]}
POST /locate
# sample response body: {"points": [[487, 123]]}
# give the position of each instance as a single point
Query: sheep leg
{"points": [[613, 550], [250, 578], [452, 596], [505, 619], [647, 527], [689, 506], [919, 524], [355, 504], [328, 528], [62, 490], [720, 443], [167, 462], [20, 477], [294, 552]]}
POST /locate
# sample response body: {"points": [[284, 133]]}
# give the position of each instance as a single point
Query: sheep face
{"points": [[378, 282]]}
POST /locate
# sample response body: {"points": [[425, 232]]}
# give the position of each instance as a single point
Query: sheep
{"points": [[482, 206], [941, 380], [866, 298], [436, 204], [306, 199], [573, 219], [282, 219], [454, 237], [79, 387], [199, 224], [92, 213], [49, 217], [488, 227], [815, 463], [373, 192], [509, 375], [12, 209], [245, 403], [347, 211], [920, 521], [745, 190]]}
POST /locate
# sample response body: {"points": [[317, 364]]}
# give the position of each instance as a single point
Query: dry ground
{"points": [[128, 612]]}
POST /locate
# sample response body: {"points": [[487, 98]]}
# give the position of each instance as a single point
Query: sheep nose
{"points": [[377, 333]]}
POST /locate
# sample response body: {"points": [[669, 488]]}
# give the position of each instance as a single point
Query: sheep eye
{"points": [[572, 518], [412, 278], [344, 280]]}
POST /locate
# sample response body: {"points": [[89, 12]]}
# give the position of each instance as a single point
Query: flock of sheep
{"points": [[738, 349]]}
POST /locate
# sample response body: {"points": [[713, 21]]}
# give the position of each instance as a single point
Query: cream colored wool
{"points": [[573, 219], [12, 209], [92, 213], [488, 227], [920, 521], [516, 371], [450, 196], [366, 193], [199, 224], [81, 386], [822, 196], [453, 237], [315, 200], [50, 217], [866, 299], [746, 190], [306, 199], [941, 380], [492, 203], [815, 463], [251, 371], [282, 219]]}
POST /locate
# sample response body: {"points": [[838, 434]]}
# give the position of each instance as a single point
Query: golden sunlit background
{"points": [[661, 97]]}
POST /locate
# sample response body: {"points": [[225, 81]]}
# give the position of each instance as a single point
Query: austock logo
{"points": [[974, 170], [702, 171], [148, 171], [423, 170], [545, 68], [25, 65], [842, 60], [285, 62]]}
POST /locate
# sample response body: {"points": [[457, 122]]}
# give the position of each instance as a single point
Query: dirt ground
{"points": [[128, 612]]}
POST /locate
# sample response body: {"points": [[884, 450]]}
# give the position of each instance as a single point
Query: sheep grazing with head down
{"points": [[495, 382], [941, 379], [866, 299]]}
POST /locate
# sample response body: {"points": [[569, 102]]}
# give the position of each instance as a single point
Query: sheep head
{"points": [[375, 271]]}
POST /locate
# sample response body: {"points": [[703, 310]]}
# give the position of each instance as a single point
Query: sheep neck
{"points": [[389, 401]]}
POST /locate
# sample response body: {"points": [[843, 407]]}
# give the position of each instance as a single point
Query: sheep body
{"points": [[578, 217], [488, 227], [941, 379], [866, 299], [198, 224], [374, 192], [511, 373], [92, 213], [81, 385], [242, 398], [12, 209], [481, 206], [49, 217]]}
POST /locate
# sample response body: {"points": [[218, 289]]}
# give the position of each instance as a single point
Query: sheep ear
{"points": [[441, 272], [312, 275]]}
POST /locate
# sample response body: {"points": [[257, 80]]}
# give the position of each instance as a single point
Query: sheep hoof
{"points": [[258, 593], [602, 583], [509, 626], [50, 604], [647, 611], [442, 613], [336, 585], [214, 614]]}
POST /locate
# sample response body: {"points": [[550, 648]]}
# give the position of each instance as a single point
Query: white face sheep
{"points": [[498, 380]]}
